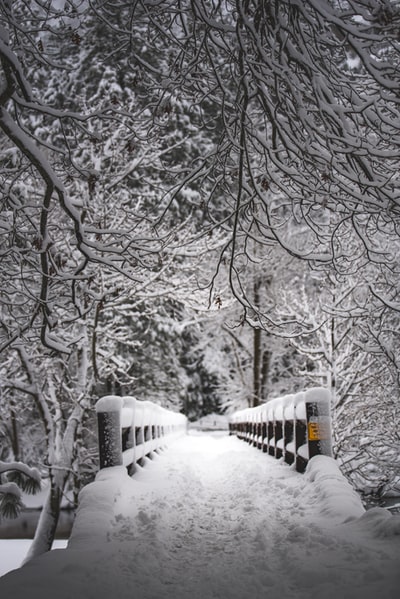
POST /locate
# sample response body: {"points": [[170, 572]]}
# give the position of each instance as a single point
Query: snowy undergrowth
{"points": [[214, 518]]}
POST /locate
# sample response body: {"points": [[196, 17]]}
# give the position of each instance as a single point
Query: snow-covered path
{"points": [[214, 518]]}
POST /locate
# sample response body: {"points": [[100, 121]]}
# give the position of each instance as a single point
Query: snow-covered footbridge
{"points": [[212, 517], [295, 427]]}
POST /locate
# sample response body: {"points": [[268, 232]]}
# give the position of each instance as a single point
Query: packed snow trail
{"points": [[214, 518]]}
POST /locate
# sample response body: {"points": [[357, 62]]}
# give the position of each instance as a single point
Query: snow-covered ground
{"points": [[211, 422], [214, 518]]}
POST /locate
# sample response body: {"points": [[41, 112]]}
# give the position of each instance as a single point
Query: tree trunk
{"points": [[47, 525], [257, 360], [14, 436], [266, 363]]}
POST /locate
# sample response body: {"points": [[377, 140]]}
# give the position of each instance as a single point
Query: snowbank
{"points": [[336, 498], [214, 518]]}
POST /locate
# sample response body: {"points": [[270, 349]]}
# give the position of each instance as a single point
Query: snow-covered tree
{"points": [[302, 101], [350, 341], [256, 117]]}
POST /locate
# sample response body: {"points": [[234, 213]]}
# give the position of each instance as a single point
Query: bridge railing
{"points": [[294, 427], [129, 429]]}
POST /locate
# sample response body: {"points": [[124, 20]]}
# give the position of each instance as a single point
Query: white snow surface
{"points": [[212, 517]]}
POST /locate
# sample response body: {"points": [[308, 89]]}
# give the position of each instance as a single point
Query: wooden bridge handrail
{"points": [[294, 427], [129, 429]]}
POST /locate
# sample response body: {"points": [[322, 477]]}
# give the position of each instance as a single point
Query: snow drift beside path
{"points": [[214, 518]]}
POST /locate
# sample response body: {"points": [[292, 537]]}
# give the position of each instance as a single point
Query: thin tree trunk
{"points": [[47, 525], [15, 436], [257, 348], [266, 363], [256, 367]]}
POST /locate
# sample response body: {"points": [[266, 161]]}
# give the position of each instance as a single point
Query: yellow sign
{"points": [[318, 431]]}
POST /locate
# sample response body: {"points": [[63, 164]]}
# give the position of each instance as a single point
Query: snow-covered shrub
{"points": [[15, 478]]}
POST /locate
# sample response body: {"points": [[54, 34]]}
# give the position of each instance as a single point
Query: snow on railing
{"points": [[294, 427], [129, 429]]}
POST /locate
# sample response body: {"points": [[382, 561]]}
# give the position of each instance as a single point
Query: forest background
{"points": [[199, 207]]}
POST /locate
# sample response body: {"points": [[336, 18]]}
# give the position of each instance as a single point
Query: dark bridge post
{"points": [[295, 427], [319, 432], [130, 430], [109, 426]]}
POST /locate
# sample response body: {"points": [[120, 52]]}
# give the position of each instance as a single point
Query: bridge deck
{"points": [[212, 518]]}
